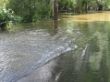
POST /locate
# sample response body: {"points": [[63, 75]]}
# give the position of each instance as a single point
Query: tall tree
{"points": [[55, 9]]}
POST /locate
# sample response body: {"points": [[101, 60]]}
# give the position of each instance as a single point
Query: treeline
{"points": [[83, 6], [25, 10], [33, 10]]}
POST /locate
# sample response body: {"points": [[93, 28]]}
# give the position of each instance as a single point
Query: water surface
{"points": [[78, 51]]}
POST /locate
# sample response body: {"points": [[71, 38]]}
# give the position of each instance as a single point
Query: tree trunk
{"points": [[55, 9]]}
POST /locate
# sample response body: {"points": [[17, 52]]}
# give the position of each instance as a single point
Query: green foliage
{"points": [[43, 10], [31, 10], [80, 6], [67, 4], [3, 3], [8, 15]]}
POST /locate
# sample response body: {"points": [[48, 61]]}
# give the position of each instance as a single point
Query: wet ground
{"points": [[78, 51]]}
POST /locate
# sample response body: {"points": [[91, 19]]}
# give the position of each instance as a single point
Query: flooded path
{"points": [[78, 52]]}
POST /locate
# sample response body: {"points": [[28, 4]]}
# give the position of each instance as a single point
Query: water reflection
{"points": [[55, 25], [93, 67], [89, 62], [101, 16]]}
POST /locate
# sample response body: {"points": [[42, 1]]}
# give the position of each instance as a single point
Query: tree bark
{"points": [[55, 9]]}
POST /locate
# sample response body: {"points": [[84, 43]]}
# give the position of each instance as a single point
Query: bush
{"points": [[5, 14], [8, 15]]}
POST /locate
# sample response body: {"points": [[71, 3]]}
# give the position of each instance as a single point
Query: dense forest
{"points": [[34, 10]]}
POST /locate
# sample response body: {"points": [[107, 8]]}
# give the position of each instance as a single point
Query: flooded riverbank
{"points": [[77, 52]]}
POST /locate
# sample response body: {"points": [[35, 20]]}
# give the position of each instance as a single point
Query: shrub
{"points": [[8, 15]]}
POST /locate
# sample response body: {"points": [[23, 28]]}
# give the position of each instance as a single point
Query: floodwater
{"points": [[77, 51]]}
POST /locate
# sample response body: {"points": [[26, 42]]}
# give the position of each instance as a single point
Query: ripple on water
{"points": [[22, 53]]}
